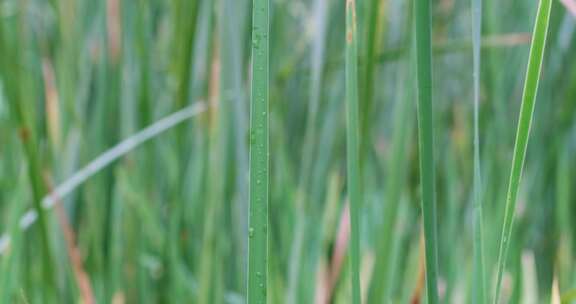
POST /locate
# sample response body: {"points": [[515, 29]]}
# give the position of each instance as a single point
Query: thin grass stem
{"points": [[524, 122], [479, 291], [353, 174], [426, 142], [259, 156]]}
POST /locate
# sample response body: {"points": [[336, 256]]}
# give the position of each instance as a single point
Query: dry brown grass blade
{"points": [[52, 102], [506, 40], [322, 278], [366, 267], [417, 293], [555, 299], [114, 29], [332, 273], [214, 86], [82, 278]]}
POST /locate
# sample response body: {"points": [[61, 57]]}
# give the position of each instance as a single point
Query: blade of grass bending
{"points": [[102, 162], [353, 174], [479, 290], [426, 142], [82, 279], [524, 122], [259, 150]]}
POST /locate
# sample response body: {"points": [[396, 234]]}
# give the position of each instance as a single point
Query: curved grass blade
{"points": [[479, 290], [353, 173], [426, 142], [526, 112], [103, 161], [259, 150]]}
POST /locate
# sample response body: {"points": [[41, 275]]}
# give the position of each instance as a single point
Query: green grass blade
{"points": [[306, 170], [187, 13], [259, 150], [379, 289], [526, 112], [479, 290], [353, 174], [426, 142], [373, 38]]}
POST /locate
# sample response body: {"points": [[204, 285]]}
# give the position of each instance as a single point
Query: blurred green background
{"points": [[167, 221]]}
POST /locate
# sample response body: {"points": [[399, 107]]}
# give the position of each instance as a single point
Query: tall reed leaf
{"points": [[526, 112], [479, 293], [353, 175], [379, 289], [373, 38], [259, 165], [426, 141]]}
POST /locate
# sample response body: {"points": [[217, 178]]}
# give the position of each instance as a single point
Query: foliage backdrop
{"points": [[168, 222]]}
